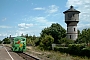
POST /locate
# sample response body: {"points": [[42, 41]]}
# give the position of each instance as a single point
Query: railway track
{"points": [[26, 56]]}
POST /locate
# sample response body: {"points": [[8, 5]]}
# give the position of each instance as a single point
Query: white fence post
{"points": [[53, 45]]}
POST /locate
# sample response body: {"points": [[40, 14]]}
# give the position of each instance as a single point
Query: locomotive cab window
{"points": [[23, 39]]}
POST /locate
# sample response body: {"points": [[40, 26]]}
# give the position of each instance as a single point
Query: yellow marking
{"points": [[21, 45]]}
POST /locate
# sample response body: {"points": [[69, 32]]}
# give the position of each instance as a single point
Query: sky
{"points": [[32, 16]]}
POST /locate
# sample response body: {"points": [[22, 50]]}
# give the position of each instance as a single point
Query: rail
{"points": [[27, 56]]}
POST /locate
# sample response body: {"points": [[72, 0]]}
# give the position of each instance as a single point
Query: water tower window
{"points": [[69, 15], [74, 29], [73, 15], [70, 36]]}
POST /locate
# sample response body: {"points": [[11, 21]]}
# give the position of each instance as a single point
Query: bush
{"points": [[75, 49], [61, 49], [85, 52], [46, 42]]}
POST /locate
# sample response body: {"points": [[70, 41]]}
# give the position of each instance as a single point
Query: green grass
{"points": [[52, 55]]}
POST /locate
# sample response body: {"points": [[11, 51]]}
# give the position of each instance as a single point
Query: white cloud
{"points": [[24, 25], [39, 24], [83, 26], [19, 32], [84, 7], [40, 19], [4, 35], [52, 9], [37, 20], [4, 19], [78, 3], [39, 8], [43, 21], [28, 31], [3, 26]]}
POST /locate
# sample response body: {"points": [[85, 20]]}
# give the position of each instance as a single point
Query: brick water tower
{"points": [[71, 19]]}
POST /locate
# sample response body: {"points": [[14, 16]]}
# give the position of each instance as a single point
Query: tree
{"points": [[78, 40], [32, 40], [56, 31], [0, 41], [6, 40], [84, 36], [26, 35]]}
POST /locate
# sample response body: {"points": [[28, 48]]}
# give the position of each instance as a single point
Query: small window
{"points": [[67, 29], [74, 29], [70, 36], [23, 39], [73, 15], [69, 15]]}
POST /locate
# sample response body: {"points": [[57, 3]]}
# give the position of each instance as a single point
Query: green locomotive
{"points": [[19, 44]]}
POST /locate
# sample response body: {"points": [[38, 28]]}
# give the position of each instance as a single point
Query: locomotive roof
{"points": [[19, 37]]}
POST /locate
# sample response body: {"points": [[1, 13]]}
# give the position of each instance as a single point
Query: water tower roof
{"points": [[71, 10]]}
